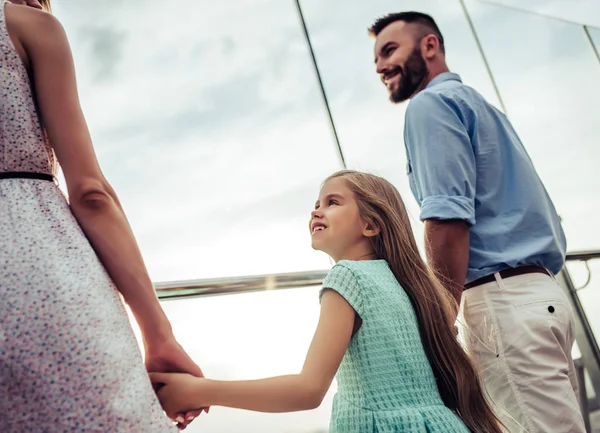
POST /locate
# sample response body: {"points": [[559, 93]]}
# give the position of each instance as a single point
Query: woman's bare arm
{"points": [[93, 201]]}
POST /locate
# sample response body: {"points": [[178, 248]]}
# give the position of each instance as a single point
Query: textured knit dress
{"points": [[385, 381], [69, 361]]}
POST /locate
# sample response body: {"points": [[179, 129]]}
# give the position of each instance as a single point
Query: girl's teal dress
{"points": [[385, 382]]}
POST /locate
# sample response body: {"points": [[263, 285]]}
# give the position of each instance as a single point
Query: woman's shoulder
{"points": [[30, 23], [35, 33], [27, 12]]}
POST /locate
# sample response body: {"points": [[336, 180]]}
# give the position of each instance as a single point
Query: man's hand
{"points": [[447, 248], [169, 357]]}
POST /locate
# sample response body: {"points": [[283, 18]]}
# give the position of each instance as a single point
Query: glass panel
{"points": [[579, 11], [210, 126], [251, 336], [589, 297], [550, 87], [369, 126]]}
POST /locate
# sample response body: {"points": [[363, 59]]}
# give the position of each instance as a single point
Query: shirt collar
{"points": [[444, 76]]}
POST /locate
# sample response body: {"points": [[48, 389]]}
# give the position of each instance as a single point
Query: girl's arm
{"points": [[296, 392]]}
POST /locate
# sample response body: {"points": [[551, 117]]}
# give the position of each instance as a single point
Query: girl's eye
{"points": [[331, 202]]}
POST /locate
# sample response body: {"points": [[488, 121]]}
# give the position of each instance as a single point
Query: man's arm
{"points": [[444, 180], [447, 249]]}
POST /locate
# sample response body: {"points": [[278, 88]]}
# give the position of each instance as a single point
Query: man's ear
{"points": [[430, 45]]}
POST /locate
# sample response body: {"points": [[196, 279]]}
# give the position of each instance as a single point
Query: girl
{"points": [[386, 328], [68, 358]]}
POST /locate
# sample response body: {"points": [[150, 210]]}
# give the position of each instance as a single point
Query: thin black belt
{"points": [[26, 175], [507, 273]]}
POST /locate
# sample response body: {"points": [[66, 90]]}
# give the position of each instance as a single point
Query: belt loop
{"points": [[499, 280], [552, 276]]}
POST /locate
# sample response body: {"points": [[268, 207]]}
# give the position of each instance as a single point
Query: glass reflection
{"points": [[210, 126]]}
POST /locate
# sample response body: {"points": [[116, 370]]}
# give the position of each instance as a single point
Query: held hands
{"points": [[169, 357], [179, 392]]}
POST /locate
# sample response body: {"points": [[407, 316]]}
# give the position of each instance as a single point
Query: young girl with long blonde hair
{"points": [[386, 329]]}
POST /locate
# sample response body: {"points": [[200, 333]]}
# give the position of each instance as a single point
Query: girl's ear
{"points": [[371, 229]]}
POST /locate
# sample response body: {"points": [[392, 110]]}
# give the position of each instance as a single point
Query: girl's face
{"points": [[336, 226]]}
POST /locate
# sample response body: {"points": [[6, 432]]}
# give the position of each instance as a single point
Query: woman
{"points": [[68, 358]]}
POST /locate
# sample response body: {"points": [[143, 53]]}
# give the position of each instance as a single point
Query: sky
{"points": [[207, 120]]}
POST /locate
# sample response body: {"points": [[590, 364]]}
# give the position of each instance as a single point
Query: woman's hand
{"points": [[179, 392], [169, 357]]}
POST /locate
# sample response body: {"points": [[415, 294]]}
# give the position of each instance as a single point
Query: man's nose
{"points": [[381, 67]]}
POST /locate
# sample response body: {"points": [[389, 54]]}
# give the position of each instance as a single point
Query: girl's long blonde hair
{"points": [[381, 206]]}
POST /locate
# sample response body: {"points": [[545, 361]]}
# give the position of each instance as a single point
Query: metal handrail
{"points": [[583, 255], [255, 283], [236, 285]]}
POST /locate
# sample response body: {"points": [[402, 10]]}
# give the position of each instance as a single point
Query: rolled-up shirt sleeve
{"points": [[441, 158]]}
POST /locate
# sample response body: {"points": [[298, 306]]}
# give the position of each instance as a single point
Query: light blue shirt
{"points": [[466, 162]]}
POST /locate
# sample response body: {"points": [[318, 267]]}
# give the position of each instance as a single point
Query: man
{"points": [[491, 230]]}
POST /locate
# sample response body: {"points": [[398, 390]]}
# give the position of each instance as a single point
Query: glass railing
{"points": [[583, 289]]}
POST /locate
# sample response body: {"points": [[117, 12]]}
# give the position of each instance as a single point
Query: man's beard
{"points": [[412, 76]]}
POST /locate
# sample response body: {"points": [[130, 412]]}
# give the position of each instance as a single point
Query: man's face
{"points": [[399, 61]]}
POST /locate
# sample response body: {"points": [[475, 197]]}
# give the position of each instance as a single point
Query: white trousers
{"points": [[520, 333]]}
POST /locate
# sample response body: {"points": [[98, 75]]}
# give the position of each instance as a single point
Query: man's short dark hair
{"points": [[423, 20]]}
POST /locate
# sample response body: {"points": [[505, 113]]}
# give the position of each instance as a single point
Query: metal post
{"points": [[583, 398], [591, 41], [322, 87]]}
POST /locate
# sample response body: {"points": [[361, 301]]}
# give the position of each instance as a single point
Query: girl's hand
{"points": [[179, 392], [168, 357]]}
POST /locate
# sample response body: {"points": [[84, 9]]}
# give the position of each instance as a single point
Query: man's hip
{"points": [[519, 331]]}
